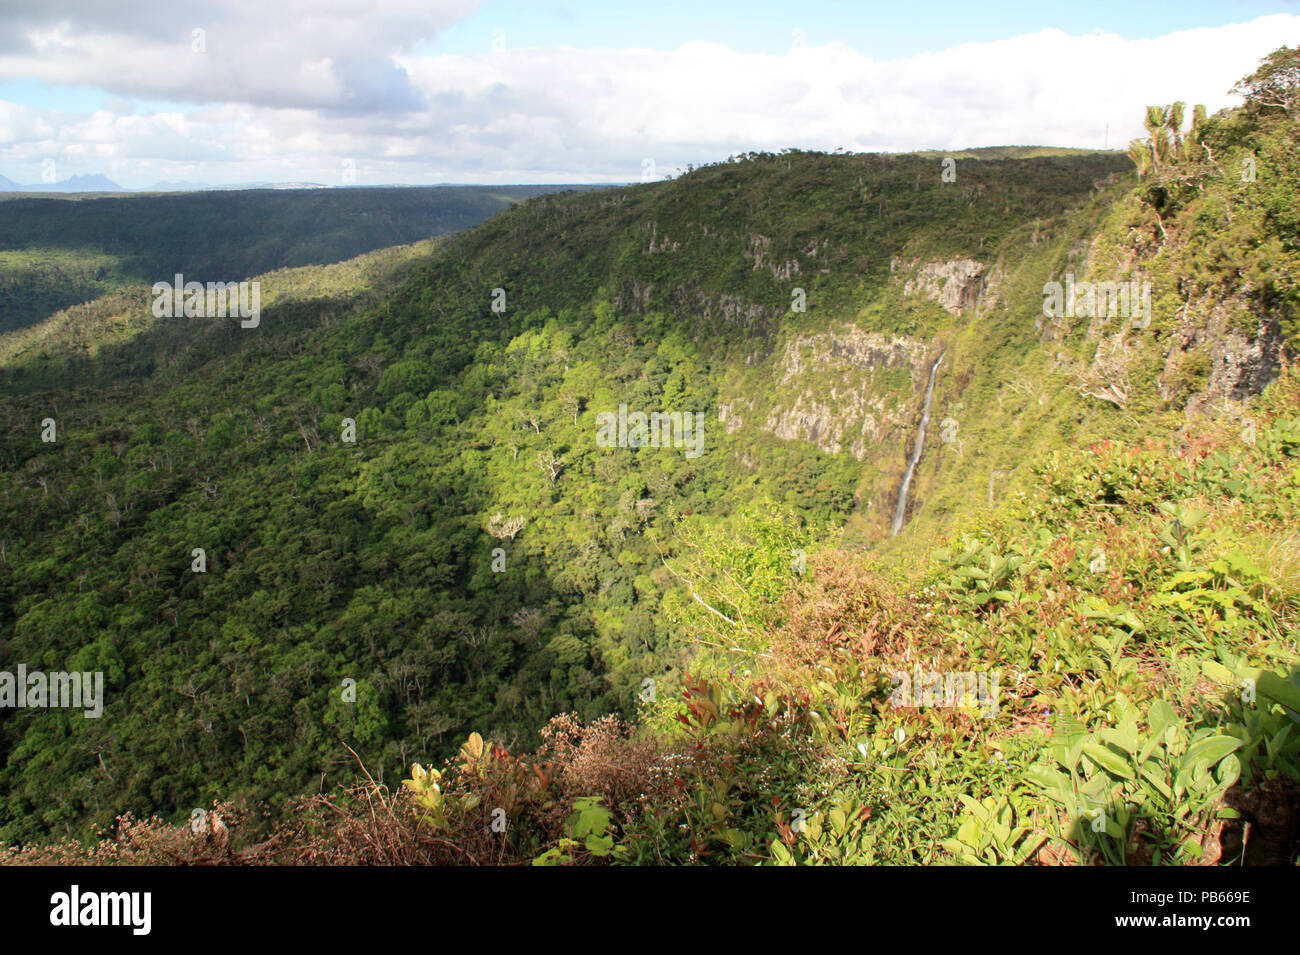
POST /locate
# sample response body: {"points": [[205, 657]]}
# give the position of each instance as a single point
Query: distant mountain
{"points": [[93, 182], [85, 183]]}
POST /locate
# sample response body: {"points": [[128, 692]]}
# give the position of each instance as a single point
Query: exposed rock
{"points": [[1240, 366], [657, 245], [636, 297], [733, 422], [830, 425], [848, 408], [749, 319], [852, 348], [757, 248], [958, 285]]}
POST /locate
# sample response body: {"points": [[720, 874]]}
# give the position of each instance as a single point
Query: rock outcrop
{"points": [[833, 391], [959, 286]]}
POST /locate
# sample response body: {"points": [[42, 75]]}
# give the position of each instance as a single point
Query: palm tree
{"points": [[1155, 123], [1192, 142], [1174, 124], [1139, 150]]}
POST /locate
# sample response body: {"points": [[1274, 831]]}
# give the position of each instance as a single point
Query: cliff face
{"points": [[1232, 364], [958, 286], [849, 389], [836, 389], [1212, 328], [1021, 375]]}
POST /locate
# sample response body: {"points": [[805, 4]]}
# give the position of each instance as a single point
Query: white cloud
{"points": [[342, 91], [334, 56]]}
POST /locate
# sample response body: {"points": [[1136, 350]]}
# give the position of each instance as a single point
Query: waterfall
{"points": [[901, 507]]}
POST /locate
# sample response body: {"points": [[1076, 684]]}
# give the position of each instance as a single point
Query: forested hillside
{"points": [[394, 516], [57, 252]]}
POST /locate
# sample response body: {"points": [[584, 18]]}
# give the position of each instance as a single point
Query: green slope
{"points": [[476, 560], [62, 251]]}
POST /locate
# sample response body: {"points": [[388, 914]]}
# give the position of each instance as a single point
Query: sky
{"points": [[362, 92]]}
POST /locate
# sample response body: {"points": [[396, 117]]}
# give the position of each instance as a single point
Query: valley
{"points": [[636, 501]]}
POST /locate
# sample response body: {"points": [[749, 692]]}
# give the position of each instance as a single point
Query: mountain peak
{"points": [[81, 182]]}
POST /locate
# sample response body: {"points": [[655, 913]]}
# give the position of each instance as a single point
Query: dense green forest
{"points": [[62, 251], [380, 528]]}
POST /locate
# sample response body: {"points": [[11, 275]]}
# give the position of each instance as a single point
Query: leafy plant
{"points": [[1126, 790], [590, 831]]}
